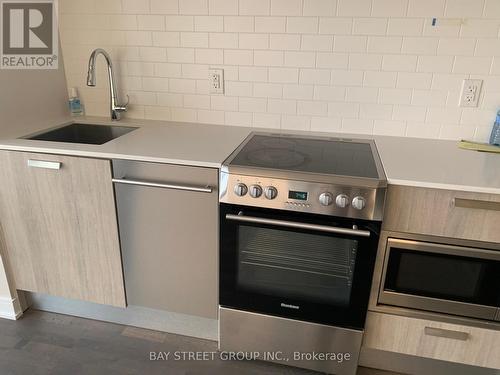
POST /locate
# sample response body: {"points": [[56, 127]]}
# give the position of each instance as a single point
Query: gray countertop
{"points": [[407, 161]]}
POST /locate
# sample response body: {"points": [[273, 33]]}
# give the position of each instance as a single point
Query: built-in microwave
{"points": [[442, 278]]}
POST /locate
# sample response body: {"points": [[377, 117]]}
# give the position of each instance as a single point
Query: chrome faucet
{"points": [[115, 108]]}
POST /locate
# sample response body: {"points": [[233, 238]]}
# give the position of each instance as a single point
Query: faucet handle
{"points": [[123, 107]]}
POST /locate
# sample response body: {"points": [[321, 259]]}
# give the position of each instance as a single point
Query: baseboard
{"points": [[165, 321], [10, 308]]}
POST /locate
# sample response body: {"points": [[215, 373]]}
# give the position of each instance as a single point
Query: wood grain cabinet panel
{"points": [[432, 339], [447, 213], [59, 228]]}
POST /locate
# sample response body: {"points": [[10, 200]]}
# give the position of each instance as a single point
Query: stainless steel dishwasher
{"points": [[168, 225]]}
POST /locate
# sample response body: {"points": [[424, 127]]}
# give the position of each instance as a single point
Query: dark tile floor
{"points": [[45, 343]]}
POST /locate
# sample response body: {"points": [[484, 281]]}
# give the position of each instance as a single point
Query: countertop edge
{"points": [[433, 185]]}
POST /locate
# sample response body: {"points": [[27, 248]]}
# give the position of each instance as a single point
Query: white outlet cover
{"points": [[471, 91], [216, 81]]}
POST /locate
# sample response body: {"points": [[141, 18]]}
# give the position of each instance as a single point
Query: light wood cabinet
{"points": [[58, 226], [433, 339], [447, 213]]}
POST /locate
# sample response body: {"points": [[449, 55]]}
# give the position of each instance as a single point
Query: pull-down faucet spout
{"points": [[115, 108]]}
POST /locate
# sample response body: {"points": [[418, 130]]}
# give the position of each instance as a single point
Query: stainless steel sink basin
{"points": [[83, 133]]}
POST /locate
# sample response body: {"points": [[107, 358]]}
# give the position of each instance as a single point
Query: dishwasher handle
{"points": [[199, 189]]}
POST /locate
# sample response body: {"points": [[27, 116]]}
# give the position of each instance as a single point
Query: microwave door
{"points": [[440, 278]]}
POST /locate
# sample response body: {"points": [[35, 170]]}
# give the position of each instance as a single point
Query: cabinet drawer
{"points": [[447, 213], [432, 339]]}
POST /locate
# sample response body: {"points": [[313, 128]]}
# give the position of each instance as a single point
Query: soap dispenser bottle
{"points": [[495, 133], [75, 105]]}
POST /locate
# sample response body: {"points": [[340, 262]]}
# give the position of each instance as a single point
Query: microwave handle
{"points": [[293, 224], [446, 333], [438, 248]]}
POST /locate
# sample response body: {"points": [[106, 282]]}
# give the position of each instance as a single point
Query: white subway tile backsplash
{"points": [[414, 80], [180, 55], [319, 7], [283, 75], [209, 23], [335, 26], [379, 66], [270, 24], [238, 57], [300, 59], [369, 26], [179, 23], [252, 74], [238, 24], [472, 65], [255, 7], [332, 60], [254, 41], [162, 6], [317, 43], [293, 91], [194, 40], [193, 6], [405, 26], [284, 42], [268, 58], [438, 64], [357, 8], [223, 7], [302, 25], [426, 8], [286, 7], [166, 39], [389, 8], [399, 63], [223, 40]]}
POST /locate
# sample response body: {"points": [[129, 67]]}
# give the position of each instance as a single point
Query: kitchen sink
{"points": [[83, 133]]}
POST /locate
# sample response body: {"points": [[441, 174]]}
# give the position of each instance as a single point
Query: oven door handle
{"points": [[293, 224]]}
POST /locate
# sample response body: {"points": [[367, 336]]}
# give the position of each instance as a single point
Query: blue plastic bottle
{"points": [[495, 133]]}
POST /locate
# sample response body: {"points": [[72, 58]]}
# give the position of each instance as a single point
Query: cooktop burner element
{"points": [[327, 156], [324, 175]]}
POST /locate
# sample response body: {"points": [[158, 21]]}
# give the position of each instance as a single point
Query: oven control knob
{"points": [[240, 189], [271, 192], [358, 203], [255, 191], [342, 201], [325, 199]]}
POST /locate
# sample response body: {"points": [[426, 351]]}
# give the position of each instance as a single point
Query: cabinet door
{"points": [[169, 237], [58, 226]]}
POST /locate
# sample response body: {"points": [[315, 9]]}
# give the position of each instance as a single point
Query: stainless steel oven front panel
{"points": [[435, 304], [373, 196], [241, 331]]}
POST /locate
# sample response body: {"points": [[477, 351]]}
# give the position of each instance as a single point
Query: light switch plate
{"points": [[471, 90], [216, 81]]}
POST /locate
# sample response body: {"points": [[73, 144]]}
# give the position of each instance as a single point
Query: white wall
{"points": [[370, 66]]}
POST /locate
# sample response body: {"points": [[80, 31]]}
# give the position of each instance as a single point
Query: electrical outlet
{"points": [[471, 90], [216, 81]]}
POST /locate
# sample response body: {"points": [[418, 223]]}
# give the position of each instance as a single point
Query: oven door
{"points": [[441, 278], [295, 265]]}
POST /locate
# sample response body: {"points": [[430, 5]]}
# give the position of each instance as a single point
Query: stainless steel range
{"points": [[300, 220]]}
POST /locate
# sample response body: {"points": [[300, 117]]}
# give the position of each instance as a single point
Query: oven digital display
{"points": [[299, 195]]}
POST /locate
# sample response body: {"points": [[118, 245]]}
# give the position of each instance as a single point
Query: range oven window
{"points": [[297, 265]]}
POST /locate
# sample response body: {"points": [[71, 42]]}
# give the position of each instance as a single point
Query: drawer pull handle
{"points": [[200, 189], [44, 164], [476, 204], [446, 333]]}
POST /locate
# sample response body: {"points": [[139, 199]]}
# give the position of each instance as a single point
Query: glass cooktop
{"points": [[312, 155]]}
